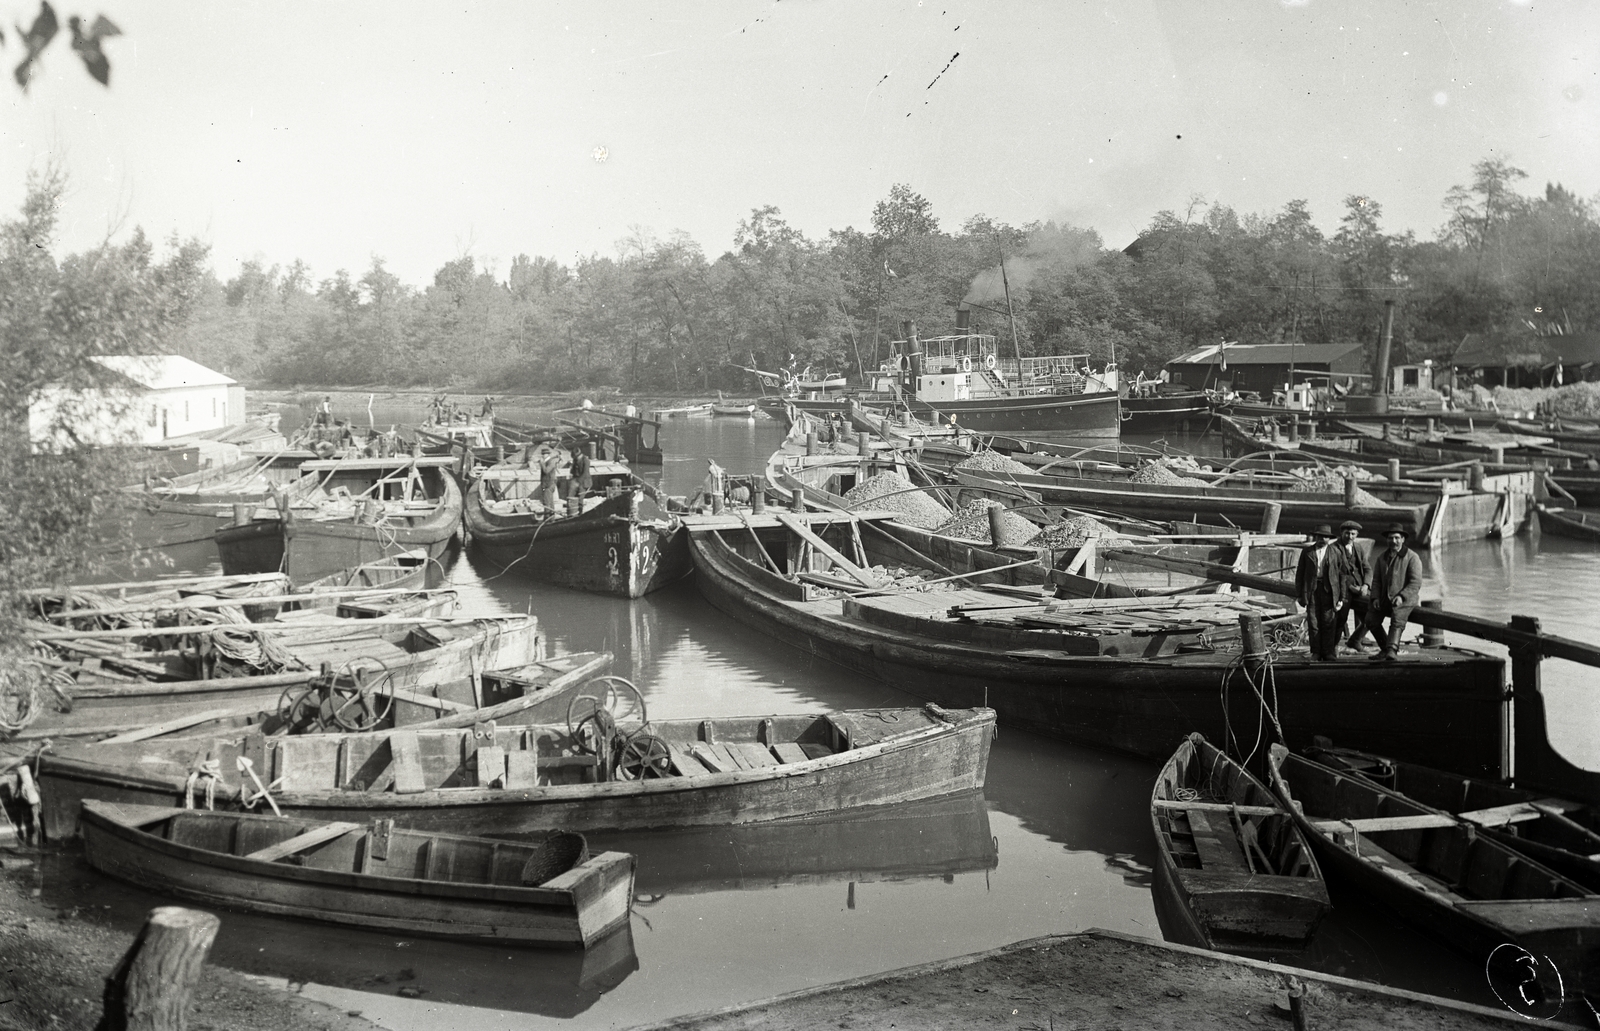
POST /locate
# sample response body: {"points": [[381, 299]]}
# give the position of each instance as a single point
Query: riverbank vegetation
{"points": [[660, 315]]}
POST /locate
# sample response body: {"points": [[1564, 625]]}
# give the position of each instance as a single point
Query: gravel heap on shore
{"points": [[1334, 485], [915, 507], [992, 462], [971, 523], [1157, 472], [1069, 533]]}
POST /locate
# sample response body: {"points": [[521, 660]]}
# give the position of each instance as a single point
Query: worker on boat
{"points": [[1314, 584], [325, 411], [582, 481], [1350, 584], [549, 466], [487, 411], [1395, 582]]}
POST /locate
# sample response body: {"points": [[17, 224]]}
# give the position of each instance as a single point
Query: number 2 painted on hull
{"points": [[611, 560]]}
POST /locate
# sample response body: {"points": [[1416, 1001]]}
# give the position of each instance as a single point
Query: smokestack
{"points": [[963, 319], [1381, 385]]}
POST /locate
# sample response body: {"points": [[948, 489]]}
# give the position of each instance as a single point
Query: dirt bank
{"points": [[53, 965], [1099, 980]]}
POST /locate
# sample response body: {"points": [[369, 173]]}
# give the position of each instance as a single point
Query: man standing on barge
{"points": [[1396, 582], [1315, 582], [1350, 583]]}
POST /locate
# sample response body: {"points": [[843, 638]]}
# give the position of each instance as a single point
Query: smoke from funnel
{"points": [[1050, 249]]}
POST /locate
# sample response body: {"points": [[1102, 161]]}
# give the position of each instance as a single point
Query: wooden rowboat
{"points": [[381, 877], [505, 780], [1569, 522], [1438, 873], [1234, 871], [1560, 833]]}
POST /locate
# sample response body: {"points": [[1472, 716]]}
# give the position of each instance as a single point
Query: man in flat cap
{"points": [[1314, 583], [1350, 582], [1396, 581]]}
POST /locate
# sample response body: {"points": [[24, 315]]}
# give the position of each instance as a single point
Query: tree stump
{"points": [[149, 990]]}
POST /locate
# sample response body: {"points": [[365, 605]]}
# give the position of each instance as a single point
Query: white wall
{"points": [[136, 417]]}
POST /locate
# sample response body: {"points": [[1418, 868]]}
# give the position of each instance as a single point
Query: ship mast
{"points": [[1010, 314]]}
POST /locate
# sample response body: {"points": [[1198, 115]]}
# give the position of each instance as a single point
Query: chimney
{"points": [[963, 319]]}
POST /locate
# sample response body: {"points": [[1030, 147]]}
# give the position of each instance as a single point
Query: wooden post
{"points": [[798, 499], [1499, 455], [1349, 492], [1388, 431], [1430, 428], [243, 515], [1432, 636], [758, 495], [1394, 470], [1252, 640], [811, 442], [149, 990], [996, 524], [1475, 477], [1269, 517], [1294, 428]]}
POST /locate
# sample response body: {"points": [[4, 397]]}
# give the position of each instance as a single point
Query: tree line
{"points": [[659, 315]]}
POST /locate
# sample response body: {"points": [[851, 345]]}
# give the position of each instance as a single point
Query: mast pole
{"points": [[1010, 314]]}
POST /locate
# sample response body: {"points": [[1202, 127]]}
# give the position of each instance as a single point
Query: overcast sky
{"points": [[421, 132]]}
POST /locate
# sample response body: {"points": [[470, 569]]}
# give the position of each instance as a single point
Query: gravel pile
{"points": [[992, 462], [971, 523], [1157, 472], [916, 508], [1069, 533], [1334, 485]]}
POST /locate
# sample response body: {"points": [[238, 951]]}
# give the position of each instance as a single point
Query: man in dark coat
{"points": [[1315, 585], [1395, 583], [1350, 582]]}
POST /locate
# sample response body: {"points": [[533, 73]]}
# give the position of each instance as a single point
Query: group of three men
{"points": [[1336, 578]]}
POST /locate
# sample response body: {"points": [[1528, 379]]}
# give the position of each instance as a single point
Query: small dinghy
{"points": [[547, 892], [1234, 871]]}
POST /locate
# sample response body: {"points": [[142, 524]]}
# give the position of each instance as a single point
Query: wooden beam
{"points": [[301, 842], [1216, 807], [1204, 570], [865, 578]]}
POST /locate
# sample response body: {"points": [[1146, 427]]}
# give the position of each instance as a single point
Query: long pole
{"points": [[1010, 314]]}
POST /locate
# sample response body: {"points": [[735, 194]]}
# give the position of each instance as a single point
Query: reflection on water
{"points": [[1060, 840]]}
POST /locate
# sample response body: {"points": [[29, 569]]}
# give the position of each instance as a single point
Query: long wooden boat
{"points": [[1165, 410], [1140, 689], [1562, 834], [735, 411], [506, 780], [381, 877], [366, 509], [1569, 522], [611, 547], [1581, 437], [1437, 873], [1233, 871], [428, 665]]}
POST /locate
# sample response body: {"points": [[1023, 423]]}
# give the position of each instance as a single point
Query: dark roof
{"points": [[1268, 354], [1526, 350]]}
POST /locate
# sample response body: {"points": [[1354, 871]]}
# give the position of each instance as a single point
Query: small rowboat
{"points": [[1234, 871], [1569, 522], [1437, 872], [548, 892]]}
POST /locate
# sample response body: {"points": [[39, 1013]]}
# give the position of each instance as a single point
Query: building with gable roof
{"points": [[1264, 368], [146, 399]]}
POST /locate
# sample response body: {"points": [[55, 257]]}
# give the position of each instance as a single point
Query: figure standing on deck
{"points": [[1314, 582], [1350, 585], [1395, 583], [325, 411], [549, 466]]}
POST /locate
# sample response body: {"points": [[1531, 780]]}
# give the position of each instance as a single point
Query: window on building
{"points": [[1410, 377], [153, 415], [186, 411], [213, 408]]}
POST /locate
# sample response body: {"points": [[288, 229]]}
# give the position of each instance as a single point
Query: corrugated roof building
{"points": [[1264, 368], [1527, 359]]}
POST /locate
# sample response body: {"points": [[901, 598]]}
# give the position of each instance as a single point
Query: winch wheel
{"points": [[644, 757], [607, 700], [359, 705]]}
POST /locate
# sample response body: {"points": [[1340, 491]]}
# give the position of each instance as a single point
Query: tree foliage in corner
{"points": [[56, 519]]}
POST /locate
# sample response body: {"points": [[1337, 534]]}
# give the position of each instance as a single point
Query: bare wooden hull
{"points": [[922, 756], [1583, 526], [1229, 881], [442, 885], [1467, 890]]}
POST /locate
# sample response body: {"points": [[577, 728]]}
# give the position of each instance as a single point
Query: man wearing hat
{"points": [[1314, 583], [1396, 581], [1350, 582]]}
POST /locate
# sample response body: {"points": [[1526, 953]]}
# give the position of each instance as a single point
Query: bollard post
{"points": [[499, 453], [1429, 425], [1349, 492], [1432, 636], [1394, 470], [797, 500], [811, 442], [1270, 512], [243, 515], [1499, 455], [1294, 429], [718, 499], [758, 495], [996, 524], [149, 989], [1475, 477]]}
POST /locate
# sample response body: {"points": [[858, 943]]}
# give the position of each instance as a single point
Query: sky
{"points": [[419, 133]]}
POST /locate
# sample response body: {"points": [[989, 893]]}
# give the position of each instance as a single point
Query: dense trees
{"points": [[659, 315]]}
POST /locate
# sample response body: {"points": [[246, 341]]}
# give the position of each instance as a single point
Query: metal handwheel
{"points": [[355, 708], [644, 757], [607, 704], [298, 705]]}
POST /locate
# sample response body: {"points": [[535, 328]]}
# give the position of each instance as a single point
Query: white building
{"points": [[152, 398]]}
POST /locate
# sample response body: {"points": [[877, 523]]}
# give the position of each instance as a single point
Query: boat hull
{"points": [[1145, 707], [596, 903], [1040, 417], [607, 550], [1163, 412]]}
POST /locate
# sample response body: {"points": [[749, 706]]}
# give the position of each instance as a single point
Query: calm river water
{"points": [[1060, 841]]}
